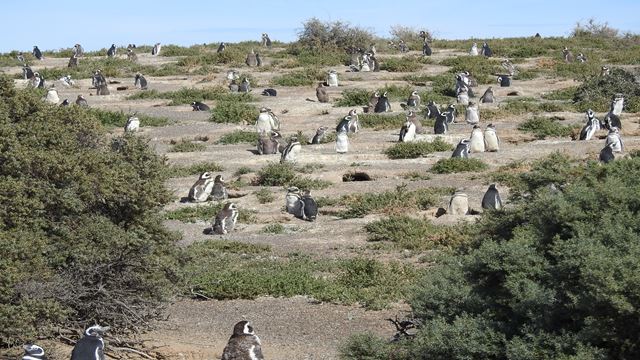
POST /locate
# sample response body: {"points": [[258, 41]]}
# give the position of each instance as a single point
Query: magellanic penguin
{"points": [[408, 131], [462, 150], [440, 127], [567, 55], [491, 139], [591, 127], [81, 101], [614, 139], [411, 116], [198, 106], [309, 207], [472, 114], [343, 125], [487, 97], [617, 104], [383, 104], [504, 80], [432, 110], [52, 95], [491, 199], [65, 102], [219, 191], [244, 344], [221, 47], [606, 154], [67, 81], [251, 59], [426, 49], [321, 93], [474, 50], [450, 114], [37, 53], [91, 345], [33, 352], [463, 95], [319, 136], [133, 124], [604, 71], [354, 123], [459, 203], [132, 56], [486, 50], [77, 50], [27, 73], [266, 40], [342, 142], [269, 92], [413, 101], [581, 58], [508, 65], [140, 81], [258, 60], [291, 151], [476, 141], [202, 188], [73, 61], [268, 142], [233, 86], [156, 49], [266, 122], [226, 219], [112, 51], [332, 78], [292, 201]]}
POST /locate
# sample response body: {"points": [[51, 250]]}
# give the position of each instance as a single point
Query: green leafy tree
{"points": [[79, 235]]}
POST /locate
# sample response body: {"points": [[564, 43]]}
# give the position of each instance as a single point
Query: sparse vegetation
{"points": [[186, 145], [416, 149], [306, 77], [382, 121], [274, 229], [234, 112], [317, 35], [543, 127], [206, 212], [396, 201], [596, 92], [353, 97], [264, 196], [275, 174], [194, 169], [189, 95], [403, 64], [239, 136], [456, 165], [417, 234]]}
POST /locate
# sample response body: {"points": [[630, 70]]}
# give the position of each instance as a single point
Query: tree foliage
{"points": [[553, 277], [319, 35], [80, 239]]}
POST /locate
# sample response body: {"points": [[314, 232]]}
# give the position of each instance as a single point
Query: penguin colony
{"points": [[244, 344]]}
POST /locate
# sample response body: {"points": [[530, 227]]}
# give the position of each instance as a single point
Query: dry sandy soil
{"points": [[301, 328]]}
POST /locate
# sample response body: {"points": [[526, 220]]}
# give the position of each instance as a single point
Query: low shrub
{"points": [[544, 127], [456, 165], [416, 149], [396, 201], [206, 212], [194, 169], [264, 196], [185, 145], [382, 121], [275, 174], [234, 112], [354, 97], [239, 136]]}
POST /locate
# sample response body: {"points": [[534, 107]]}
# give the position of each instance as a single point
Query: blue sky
{"points": [[97, 24]]}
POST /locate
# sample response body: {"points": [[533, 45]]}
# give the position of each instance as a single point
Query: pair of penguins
{"points": [[459, 203], [478, 142], [89, 347], [206, 187], [613, 142], [302, 206], [243, 344], [485, 50]]}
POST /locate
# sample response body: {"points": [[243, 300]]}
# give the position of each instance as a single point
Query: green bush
{"points": [[207, 212], [185, 145], [317, 35], [382, 121], [194, 169], [239, 136], [416, 149], [274, 229], [222, 275], [561, 94], [275, 174], [81, 241], [596, 93], [480, 67], [416, 234], [543, 127], [234, 112], [264, 196], [456, 165], [353, 97], [391, 202], [119, 119], [306, 77]]}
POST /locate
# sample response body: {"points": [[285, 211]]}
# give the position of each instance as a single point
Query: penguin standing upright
{"points": [[487, 97], [342, 142], [614, 139], [251, 59], [291, 151], [81, 101], [292, 201], [321, 93], [332, 78], [408, 131], [156, 49], [219, 191], [319, 136], [91, 345], [462, 150], [133, 124], [140, 81], [472, 114], [591, 127], [225, 220], [309, 207], [354, 123], [52, 95], [458, 204], [112, 51], [201, 189], [491, 139], [132, 56], [221, 47], [244, 344], [245, 86], [268, 143], [33, 352], [476, 142], [491, 199], [37, 53], [265, 122], [486, 50], [474, 50], [383, 104]]}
